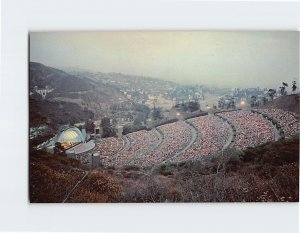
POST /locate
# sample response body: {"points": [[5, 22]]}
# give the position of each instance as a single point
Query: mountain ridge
{"points": [[41, 76]]}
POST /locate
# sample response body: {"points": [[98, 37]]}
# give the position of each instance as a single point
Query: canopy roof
{"points": [[70, 135]]}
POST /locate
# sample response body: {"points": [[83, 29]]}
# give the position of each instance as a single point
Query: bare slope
{"points": [[288, 103]]}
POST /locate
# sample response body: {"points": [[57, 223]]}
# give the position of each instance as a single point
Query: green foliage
{"points": [[166, 169], [89, 126], [55, 113], [108, 130], [193, 106], [132, 128], [157, 114], [40, 139], [132, 168]]}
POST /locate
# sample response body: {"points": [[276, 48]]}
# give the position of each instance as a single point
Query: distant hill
{"points": [[127, 81], [288, 103], [70, 88], [69, 98], [42, 76]]}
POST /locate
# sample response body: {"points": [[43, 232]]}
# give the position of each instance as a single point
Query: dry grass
{"points": [[50, 179]]}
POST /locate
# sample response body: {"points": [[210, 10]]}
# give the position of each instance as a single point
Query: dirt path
{"points": [[75, 186], [193, 139], [195, 135], [231, 136], [125, 146]]}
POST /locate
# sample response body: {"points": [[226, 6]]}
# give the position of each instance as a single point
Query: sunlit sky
{"points": [[223, 59]]}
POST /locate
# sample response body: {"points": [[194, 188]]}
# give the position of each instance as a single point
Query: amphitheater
{"points": [[197, 137]]}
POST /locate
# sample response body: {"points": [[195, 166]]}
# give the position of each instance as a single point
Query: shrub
{"points": [[132, 167], [98, 187], [166, 169]]}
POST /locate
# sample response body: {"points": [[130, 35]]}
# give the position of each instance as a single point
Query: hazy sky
{"points": [[232, 59]]}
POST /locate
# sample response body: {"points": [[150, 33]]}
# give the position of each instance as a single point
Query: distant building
{"points": [[81, 124], [43, 92], [98, 132]]}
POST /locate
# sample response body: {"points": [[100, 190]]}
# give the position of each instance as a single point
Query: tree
{"points": [[59, 149], [107, 128], [139, 119], [282, 90], [294, 87], [72, 120], [253, 102], [271, 93], [193, 106], [221, 103], [132, 128], [105, 122], [157, 114], [264, 100], [231, 104], [89, 126]]}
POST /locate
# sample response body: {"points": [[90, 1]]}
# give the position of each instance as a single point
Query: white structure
{"points": [[43, 92], [74, 143], [119, 130], [71, 135], [95, 160], [98, 132]]}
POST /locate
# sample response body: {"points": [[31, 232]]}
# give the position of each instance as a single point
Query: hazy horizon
{"points": [[215, 58]]}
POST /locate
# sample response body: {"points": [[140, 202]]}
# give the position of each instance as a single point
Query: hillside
{"points": [[54, 113], [42, 76], [268, 172], [52, 177], [70, 88], [71, 99], [137, 80], [287, 103]]}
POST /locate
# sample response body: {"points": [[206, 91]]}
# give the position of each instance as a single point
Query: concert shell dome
{"points": [[70, 137]]}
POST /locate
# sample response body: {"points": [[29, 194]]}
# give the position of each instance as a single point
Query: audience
{"points": [[252, 129], [286, 120], [213, 134], [141, 143], [173, 141], [176, 136]]}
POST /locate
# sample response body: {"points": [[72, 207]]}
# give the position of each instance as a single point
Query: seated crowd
{"points": [[287, 121], [108, 149], [85, 158], [176, 136], [252, 129], [141, 143], [173, 141], [213, 134]]}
